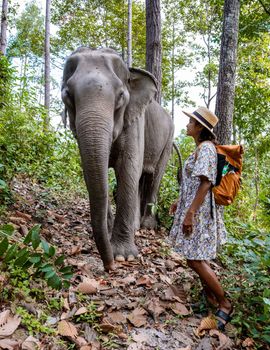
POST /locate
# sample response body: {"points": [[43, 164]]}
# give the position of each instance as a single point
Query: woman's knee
{"points": [[194, 264]]}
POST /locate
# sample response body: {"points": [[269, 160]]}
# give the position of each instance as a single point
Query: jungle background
{"points": [[39, 158]]}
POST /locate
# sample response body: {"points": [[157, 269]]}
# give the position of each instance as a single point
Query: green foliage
{"points": [[30, 32], [27, 148], [99, 24], [91, 316], [34, 256], [32, 324], [169, 188], [247, 258]]}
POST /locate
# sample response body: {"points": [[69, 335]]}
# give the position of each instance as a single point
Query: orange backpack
{"points": [[229, 169]]}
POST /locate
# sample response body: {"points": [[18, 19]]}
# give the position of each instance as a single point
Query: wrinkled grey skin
{"points": [[117, 124]]}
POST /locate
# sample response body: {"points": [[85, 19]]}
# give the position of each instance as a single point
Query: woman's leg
{"points": [[210, 280]]}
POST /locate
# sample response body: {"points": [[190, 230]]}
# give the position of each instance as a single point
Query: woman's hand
{"points": [[188, 223], [173, 208]]}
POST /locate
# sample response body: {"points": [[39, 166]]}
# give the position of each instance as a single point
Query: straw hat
{"points": [[205, 117]]}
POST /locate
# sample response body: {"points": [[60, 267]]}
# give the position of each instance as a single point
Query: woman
{"points": [[198, 228]]}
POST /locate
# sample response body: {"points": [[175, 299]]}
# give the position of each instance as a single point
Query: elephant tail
{"points": [[180, 168], [64, 117]]}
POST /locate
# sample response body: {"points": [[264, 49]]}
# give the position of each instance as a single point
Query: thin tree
{"points": [[47, 61], [129, 41], [153, 41], [3, 35], [227, 70]]}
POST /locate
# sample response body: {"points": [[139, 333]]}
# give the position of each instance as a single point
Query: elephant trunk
{"points": [[94, 138]]}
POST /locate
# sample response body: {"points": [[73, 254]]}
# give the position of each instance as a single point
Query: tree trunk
{"points": [[227, 70], [173, 68], [3, 39], [47, 61], [153, 42], [129, 41]]}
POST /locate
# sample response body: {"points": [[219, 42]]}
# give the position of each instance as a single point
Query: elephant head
{"points": [[102, 98]]}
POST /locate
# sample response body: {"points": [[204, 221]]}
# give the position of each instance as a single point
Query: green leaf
{"points": [[66, 284], [20, 261], [66, 269], [35, 236], [49, 274], [45, 246], [26, 265], [67, 276], [3, 185], [22, 252], [28, 238], [7, 229], [12, 250], [52, 251], [35, 258], [266, 301], [55, 282], [59, 260], [3, 246], [46, 268]]}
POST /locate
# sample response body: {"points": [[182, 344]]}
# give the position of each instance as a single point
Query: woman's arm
{"points": [[204, 187]]}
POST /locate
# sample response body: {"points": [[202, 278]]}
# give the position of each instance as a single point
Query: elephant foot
{"points": [[123, 252], [149, 222], [109, 267]]}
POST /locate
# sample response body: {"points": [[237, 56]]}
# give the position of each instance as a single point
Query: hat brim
{"points": [[191, 115]]}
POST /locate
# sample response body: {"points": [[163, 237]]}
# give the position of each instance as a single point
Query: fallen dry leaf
{"points": [[25, 216], [117, 317], [128, 280], [207, 323], [67, 329], [107, 327], [179, 292], [137, 317], [140, 337], [9, 344], [4, 317], [81, 310], [8, 323], [225, 343], [75, 250], [248, 343], [17, 221], [144, 281], [31, 343], [154, 308], [66, 305], [180, 309], [87, 288]]}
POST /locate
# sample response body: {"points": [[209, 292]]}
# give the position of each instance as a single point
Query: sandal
{"points": [[225, 317]]}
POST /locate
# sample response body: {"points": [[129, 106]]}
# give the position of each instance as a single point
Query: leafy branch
{"points": [[34, 255]]}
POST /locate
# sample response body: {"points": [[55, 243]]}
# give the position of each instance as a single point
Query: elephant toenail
{"points": [[109, 267], [131, 257], [119, 258]]}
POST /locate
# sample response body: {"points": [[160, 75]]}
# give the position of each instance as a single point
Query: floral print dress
{"points": [[208, 231]]}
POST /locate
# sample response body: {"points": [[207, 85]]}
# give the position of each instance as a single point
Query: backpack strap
{"points": [[211, 193]]}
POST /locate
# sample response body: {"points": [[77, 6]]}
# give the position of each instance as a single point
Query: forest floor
{"points": [[142, 305]]}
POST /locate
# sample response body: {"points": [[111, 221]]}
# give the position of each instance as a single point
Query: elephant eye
{"points": [[121, 94]]}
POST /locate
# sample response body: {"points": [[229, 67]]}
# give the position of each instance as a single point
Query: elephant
{"points": [[117, 123]]}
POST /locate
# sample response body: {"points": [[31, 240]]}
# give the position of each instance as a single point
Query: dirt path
{"points": [[143, 305]]}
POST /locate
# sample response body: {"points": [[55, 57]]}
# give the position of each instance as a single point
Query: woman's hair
{"points": [[206, 135]]}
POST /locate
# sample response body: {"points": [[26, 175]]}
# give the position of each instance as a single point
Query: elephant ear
{"points": [[143, 88], [69, 69]]}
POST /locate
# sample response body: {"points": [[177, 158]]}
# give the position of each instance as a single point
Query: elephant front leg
{"points": [[127, 209]]}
